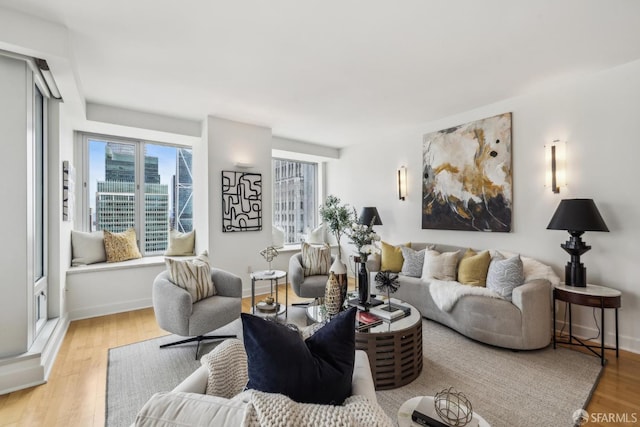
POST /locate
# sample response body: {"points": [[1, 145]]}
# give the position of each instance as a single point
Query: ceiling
{"points": [[333, 72]]}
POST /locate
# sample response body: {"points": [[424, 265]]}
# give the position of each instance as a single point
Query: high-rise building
{"points": [[115, 197], [183, 192], [294, 198]]}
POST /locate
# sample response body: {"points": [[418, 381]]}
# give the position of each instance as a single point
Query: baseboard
{"points": [[33, 367], [584, 332], [103, 310]]}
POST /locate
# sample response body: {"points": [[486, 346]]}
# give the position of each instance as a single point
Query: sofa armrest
{"points": [[196, 382], [534, 300], [226, 284], [362, 383]]}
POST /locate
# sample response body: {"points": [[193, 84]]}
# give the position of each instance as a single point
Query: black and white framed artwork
{"points": [[241, 201]]}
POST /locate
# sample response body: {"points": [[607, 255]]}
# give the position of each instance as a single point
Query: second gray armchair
{"points": [[306, 286]]}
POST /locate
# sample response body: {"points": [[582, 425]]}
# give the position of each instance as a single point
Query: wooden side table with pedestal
{"points": [[589, 296]]}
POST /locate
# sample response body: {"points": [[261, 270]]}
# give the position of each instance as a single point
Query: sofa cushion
{"points": [[181, 244], [88, 248], [391, 257], [505, 275], [441, 266], [181, 409], [121, 246], [473, 268], [316, 259], [318, 370], [193, 275], [413, 262]]}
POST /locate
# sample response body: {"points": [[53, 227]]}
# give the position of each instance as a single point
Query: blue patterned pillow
{"points": [[413, 261], [505, 275], [318, 370]]}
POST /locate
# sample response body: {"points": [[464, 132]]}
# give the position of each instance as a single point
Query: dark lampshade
{"points": [[369, 214], [576, 216]]}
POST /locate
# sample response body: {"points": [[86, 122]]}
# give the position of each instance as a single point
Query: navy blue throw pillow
{"points": [[318, 370]]}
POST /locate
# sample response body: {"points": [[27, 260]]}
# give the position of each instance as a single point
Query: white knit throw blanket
{"points": [[277, 410], [446, 294]]}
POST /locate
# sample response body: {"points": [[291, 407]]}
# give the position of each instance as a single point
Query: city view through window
{"points": [[295, 201], [168, 190]]}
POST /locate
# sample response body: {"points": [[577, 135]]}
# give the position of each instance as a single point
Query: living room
{"points": [[354, 88]]}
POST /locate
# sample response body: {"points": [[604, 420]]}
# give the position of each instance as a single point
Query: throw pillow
{"points": [[227, 366], [121, 246], [318, 370], [505, 275], [413, 262], [193, 275], [440, 266], [316, 236], [181, 244], [473, 268], [87, 248], [391, 258], [316, 259]]}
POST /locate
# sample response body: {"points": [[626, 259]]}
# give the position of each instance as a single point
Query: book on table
{"points": [[389, 311], [367, 320]]}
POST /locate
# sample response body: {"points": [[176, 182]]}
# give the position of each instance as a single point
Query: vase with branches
{"points": [[337, 217]]}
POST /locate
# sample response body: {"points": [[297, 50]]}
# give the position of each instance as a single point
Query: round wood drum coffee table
{"points": [[394, 348]]}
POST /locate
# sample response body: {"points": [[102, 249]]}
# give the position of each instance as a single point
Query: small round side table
{"points": [[273, 277], [589, 296], [407, 408]]}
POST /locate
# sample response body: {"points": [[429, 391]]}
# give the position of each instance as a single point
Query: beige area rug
{"points": [[507, 388], [539, 388]]}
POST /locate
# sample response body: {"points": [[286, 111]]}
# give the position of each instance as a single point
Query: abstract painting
{"points": [[467, 178], [241, 201]]}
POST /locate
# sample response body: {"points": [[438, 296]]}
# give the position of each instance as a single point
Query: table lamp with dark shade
{"points": [[369, 214], [576, 216]]}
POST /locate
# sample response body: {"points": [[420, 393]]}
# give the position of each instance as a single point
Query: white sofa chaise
{"points": [[521, 324]]}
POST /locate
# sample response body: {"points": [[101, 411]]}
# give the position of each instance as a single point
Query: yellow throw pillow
{"points": [[316, 260], [392, 258], [473, 268], [121, 246]]}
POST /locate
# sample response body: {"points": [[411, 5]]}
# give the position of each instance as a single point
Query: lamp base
{"points": [[575, 274]]}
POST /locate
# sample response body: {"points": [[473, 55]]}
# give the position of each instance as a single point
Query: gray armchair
{"points": [[176, 313], [309, 286]]}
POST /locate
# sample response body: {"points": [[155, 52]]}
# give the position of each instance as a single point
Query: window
{"points": [[39, 217], [116, 170], [295, 200]]}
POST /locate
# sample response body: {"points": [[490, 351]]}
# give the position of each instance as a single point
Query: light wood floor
{"points": [[75, 392]]}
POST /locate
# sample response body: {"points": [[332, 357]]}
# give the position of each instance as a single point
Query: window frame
{"points": [[82, 144]]}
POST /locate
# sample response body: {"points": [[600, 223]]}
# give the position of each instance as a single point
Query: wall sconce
{"points": [[555, 165], [402, 183], [243, 165]]}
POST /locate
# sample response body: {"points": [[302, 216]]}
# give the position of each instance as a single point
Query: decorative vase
{"points": [[363, 284], [333, 295], [340, 270]]}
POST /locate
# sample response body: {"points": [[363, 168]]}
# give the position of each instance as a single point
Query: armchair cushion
{"points": [[316, 259], [318, 370], [192, 275]]}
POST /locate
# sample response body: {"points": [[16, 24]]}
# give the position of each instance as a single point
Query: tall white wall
{"points": [[598, 117], [229, 142], [13, 174]]}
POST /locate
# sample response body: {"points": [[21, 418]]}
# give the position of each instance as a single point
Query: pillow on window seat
{"points": [[181, 244], [121, 246], [87, 248]]}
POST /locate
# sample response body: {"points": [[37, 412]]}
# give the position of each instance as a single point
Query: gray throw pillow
{"points": [[87, 247], [413, 261], [505, 275]]}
